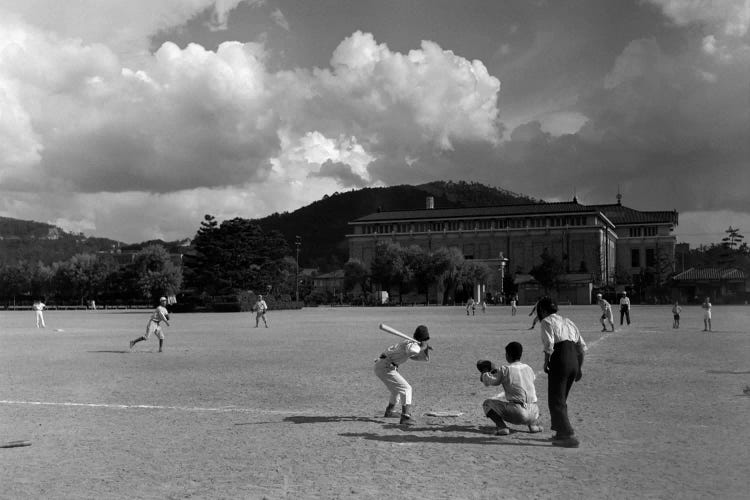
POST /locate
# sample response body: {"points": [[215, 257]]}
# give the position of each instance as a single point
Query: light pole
{"points": [[503, 263], [297, 244]]}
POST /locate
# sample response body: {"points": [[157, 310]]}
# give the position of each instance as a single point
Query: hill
{"points": [[30, 241], [323, 224]]}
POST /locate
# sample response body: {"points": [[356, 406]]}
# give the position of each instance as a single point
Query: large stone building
{"points": [[595, 243]]}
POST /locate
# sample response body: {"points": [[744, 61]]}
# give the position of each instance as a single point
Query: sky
{"points": [[132, 119]]}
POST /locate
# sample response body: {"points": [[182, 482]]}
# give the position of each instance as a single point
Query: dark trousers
{"points": [[624, 313], [563, 368]]}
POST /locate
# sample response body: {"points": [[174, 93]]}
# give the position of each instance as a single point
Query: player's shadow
{"points": [[728, 372], [320, 419], [120, 351], [413, 438]]}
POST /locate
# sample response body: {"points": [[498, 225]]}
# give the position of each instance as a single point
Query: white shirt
{"points": [[261, 306], [160, 314], [402, 352], [517, 380], [625, 301], [556, 329], [39, 306], [604, 305]]}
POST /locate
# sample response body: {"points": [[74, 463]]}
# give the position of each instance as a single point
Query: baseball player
{"points": [[606, 312], [564, 350], [159, 315], [386, 369], [260, 309], [624, 308], [39, 307], [517, 404]]}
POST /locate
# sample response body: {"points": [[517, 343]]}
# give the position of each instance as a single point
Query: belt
{"points": [[383, 356]]}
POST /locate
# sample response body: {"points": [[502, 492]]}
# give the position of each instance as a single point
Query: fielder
{"points": [[386, 369], [39, 307], [606, 312], [517, 404], [260, 309], [159, 315]]}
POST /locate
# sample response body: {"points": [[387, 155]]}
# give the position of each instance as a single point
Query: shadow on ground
{"points": [[412, 438]]}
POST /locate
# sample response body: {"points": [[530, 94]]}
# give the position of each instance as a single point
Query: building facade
{"points": [[589, 240]]}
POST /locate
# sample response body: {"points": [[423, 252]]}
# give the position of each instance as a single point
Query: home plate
{"points": [[444, 413]]}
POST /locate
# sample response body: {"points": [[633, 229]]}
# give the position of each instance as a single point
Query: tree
{"points": [[549, 273], [447, 264], [155, 272], [355, 274], [731, 245], [235, 255], [473, 272], [388, 268]]}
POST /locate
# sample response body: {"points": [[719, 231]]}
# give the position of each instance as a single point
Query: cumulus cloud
{"points": [[731, 17], [82, 119]]}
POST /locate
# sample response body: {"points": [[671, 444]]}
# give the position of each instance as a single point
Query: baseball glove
{"points": [[485, 365]]}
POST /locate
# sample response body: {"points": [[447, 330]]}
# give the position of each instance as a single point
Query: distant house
{"points": [[333, 281], [725, 285]]}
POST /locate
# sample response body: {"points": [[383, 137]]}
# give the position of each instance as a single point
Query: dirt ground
{"points": [[294, 411]]}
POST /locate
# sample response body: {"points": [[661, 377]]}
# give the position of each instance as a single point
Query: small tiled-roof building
{"points": [[587, 239], [694, 284]]}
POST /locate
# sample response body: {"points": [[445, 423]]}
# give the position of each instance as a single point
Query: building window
{"points": [[635, 232], [635, 257], [650, 257], [650, 231]]}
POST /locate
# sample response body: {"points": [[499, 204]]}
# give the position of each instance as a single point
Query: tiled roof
{"points": [[710, 274], [619, 215], [504, 210]]}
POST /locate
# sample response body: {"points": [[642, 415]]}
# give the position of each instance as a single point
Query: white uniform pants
{"points": [[397, 385]]}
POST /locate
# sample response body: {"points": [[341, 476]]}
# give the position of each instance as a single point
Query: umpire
{"points": [[563, 357]]}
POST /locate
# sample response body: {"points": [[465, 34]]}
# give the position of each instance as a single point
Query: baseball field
{"points": [[295, 411]]}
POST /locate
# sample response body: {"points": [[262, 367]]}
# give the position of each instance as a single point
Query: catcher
{"points": [[518, 406], [386, 369]]}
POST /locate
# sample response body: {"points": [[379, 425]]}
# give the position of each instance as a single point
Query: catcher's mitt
{"points": [[485, 365]]}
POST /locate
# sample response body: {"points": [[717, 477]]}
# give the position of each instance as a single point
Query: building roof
{"points": [[567, 207], [622, 215], [710, 274]]}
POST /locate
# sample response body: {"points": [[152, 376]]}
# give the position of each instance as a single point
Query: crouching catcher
{"points": [[386, 369], [519, 404]]}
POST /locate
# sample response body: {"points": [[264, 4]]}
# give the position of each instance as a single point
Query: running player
{"points": [[159, 315]]}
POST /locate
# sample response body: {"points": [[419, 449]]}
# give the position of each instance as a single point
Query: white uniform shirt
{"points": [[625, 301], [402, 352], [160, 314], [39, 306], [556, 329], [605, 306], [517, 380], [261, 306]]}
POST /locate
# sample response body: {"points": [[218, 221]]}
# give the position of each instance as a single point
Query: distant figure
{"points": [[533, 313], [260, 309], [159, 315], [706, 315], [513, 305], [471, 306], [676, 309], [624, 308], [484, 307], [606, 312], [38, 307]]}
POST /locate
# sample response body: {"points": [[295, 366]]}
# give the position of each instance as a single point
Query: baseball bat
{"points": [[395, 332]]}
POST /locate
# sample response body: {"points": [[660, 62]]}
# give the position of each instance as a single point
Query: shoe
{"points": [[132, 343], [389, 413], [568, 442], [407, 420], [502, 431], [535, 428], [604, 329]]}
